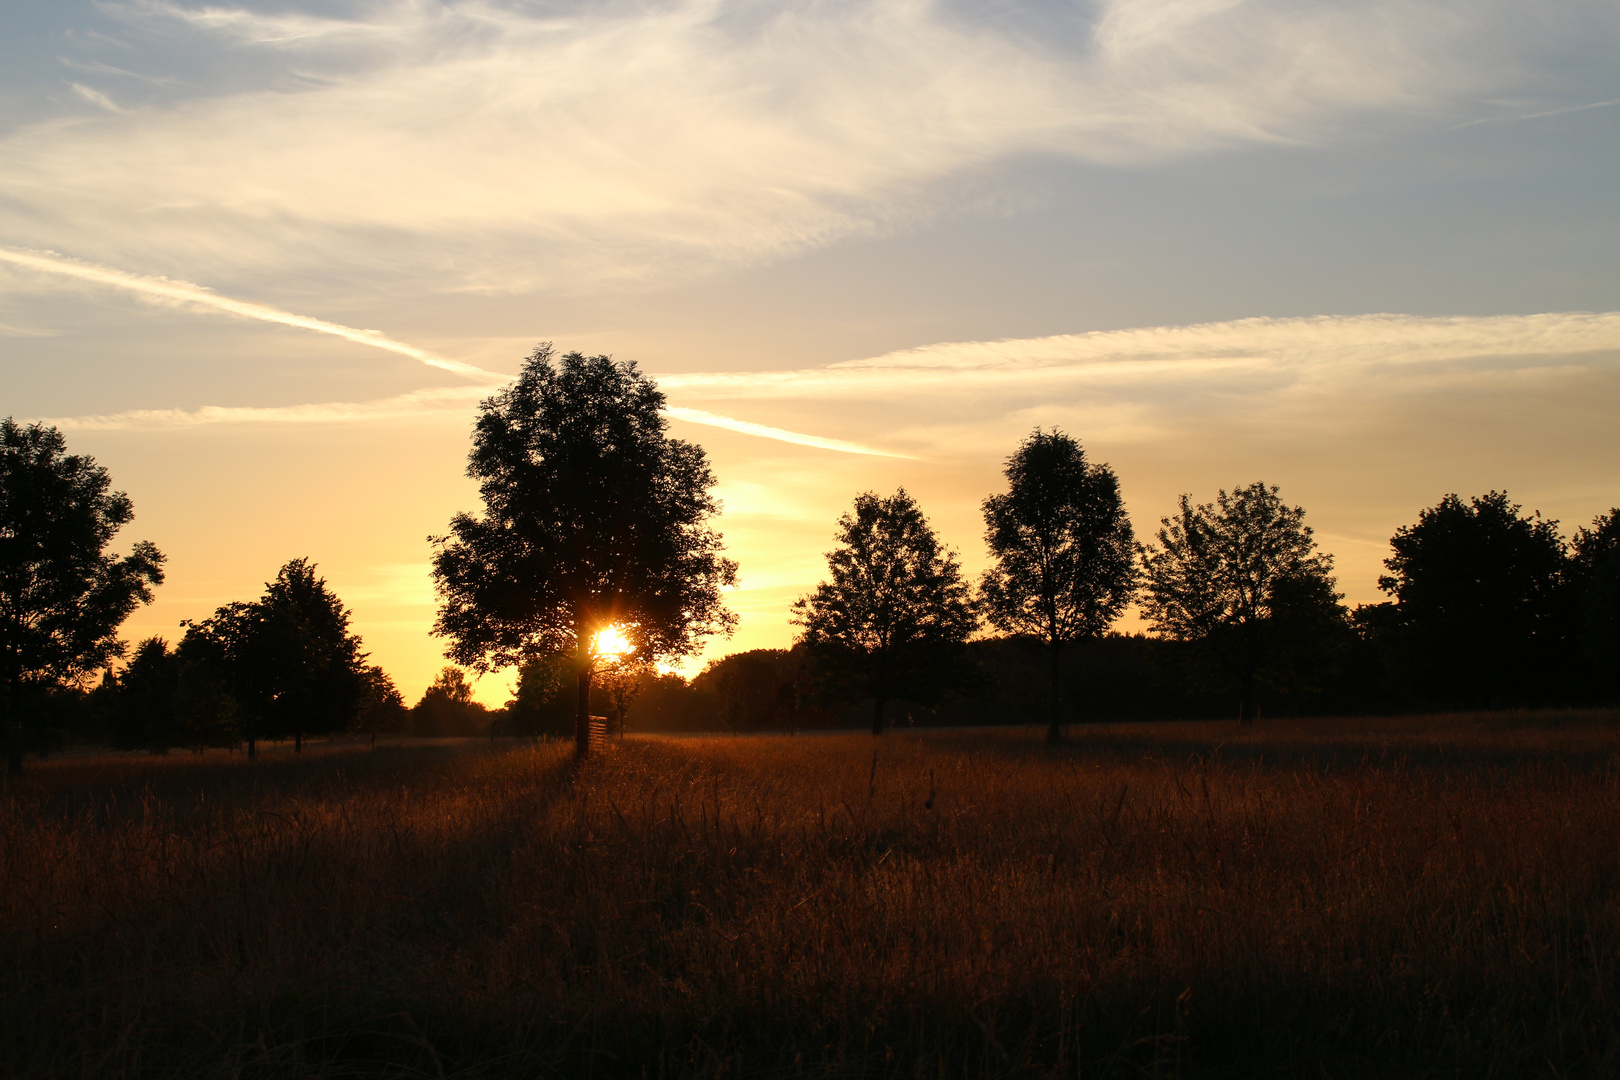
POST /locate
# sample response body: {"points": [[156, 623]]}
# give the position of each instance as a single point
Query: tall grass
{"points": [[1366, 899]]}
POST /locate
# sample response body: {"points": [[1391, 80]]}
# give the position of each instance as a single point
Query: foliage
{"points": [[544, 700], [1065, 553], [620, 683], [593, 517], [1480, 610], [891, 622], [447, 708], [1242, 576], [62, 595], [1596, 573], [753, 690], [287, 658], [382, 707]]}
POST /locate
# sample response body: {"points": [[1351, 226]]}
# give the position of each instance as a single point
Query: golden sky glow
{"points": [[263, 260]]}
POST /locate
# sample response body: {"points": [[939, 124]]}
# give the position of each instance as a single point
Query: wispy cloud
{"points": [[949, 398], [416, 405], [1168, 354], [505, 146], [94, 97]]}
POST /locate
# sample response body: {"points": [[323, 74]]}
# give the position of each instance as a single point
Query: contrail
{"points": [[402, 406], [698, 416], [187, 293]]}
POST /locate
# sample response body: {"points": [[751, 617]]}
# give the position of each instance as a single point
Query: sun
{"points": [[611, 643]]}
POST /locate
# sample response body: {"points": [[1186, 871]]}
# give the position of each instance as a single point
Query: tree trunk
{"points": [[877, 714], [582, 715], [298, 742], [1246, 704], [1054, 730], [13, 728]]}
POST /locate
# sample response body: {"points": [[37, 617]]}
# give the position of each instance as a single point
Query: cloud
{"points": [[960, 398], [1163, 356], [94, 97], [498, 146], [415, 405]]}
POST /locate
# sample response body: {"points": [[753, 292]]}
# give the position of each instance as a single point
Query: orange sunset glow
{"points": [[809, 539]]}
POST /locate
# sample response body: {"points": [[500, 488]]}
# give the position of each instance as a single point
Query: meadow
{"points": [[1405, 897]]}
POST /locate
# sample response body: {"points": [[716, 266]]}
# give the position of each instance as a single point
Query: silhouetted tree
{"points": [[62, 596], [1242, 577], [288, 658], [1065, 554], [892, 621], [447, 707], [544, 700], [382, 707], [621, 684], [753, 689], [593, 517], [1480, 610], [147, 692], [1596, 579]]}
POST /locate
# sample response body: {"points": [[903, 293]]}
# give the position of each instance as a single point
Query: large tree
{"points": [[892, 621], [1481, 613], [593, 518], [1065, 554], [1242, 577], [288, 658], [62, 595]]}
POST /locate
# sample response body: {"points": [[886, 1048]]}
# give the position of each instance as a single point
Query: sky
{"points": [[263, 260]]}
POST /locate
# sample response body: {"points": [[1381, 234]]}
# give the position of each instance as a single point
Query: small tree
{"points": [[1481, 613], [288, 658], [382, 707], [892, 621], [146, 698], [593, 518], [447, 707], [62, 596], [621, 685], [1241, 576], [544, 700], [754, 689], [1065, 554]]}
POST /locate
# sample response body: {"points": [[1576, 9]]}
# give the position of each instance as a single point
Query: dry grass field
{"points": [[1415, 897]]}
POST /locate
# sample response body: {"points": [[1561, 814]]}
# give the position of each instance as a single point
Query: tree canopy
{"points": [[1596, 580], [891, 621], [1065, 554], [593, 517], [1479, 601], [287, 658], [62, 595], [1242, 576], [447, 707]]}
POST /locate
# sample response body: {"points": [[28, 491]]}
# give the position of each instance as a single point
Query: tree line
{"points": [[596, 522]]}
